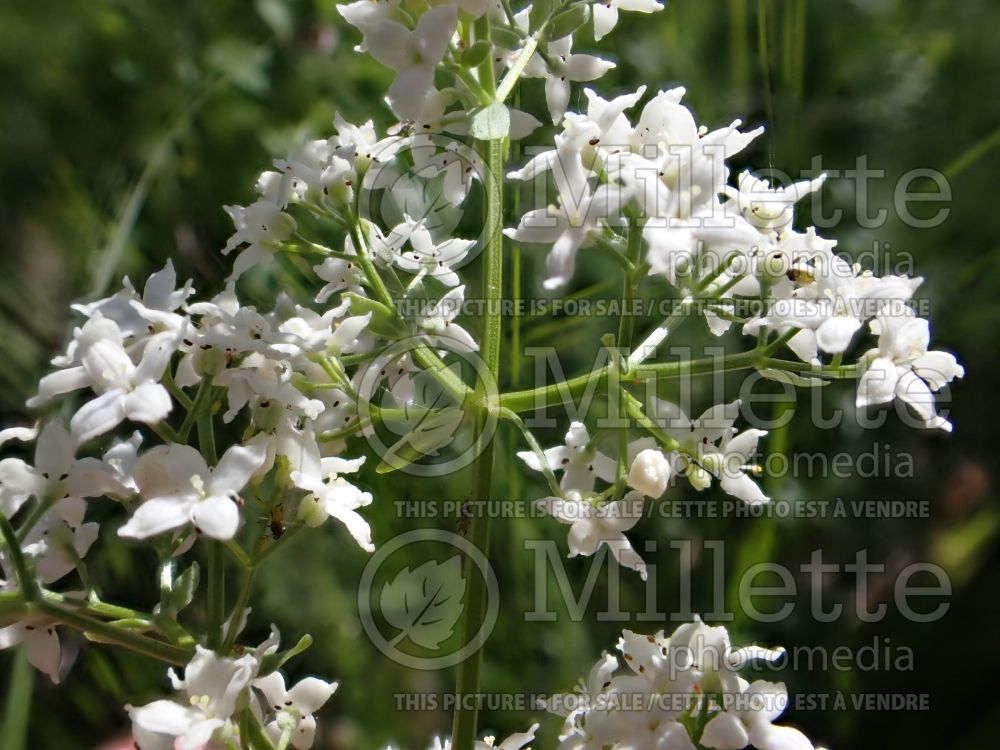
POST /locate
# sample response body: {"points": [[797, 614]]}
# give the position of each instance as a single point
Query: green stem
{"points": [[464, 726], [199, 404], [558, 393], [106, 632], [216, 594], [25, 581], [422, 355]]}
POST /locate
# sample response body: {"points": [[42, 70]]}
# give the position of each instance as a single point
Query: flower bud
{"points": [[209, 361], [311, 512], [649, 473], [699, 478]]}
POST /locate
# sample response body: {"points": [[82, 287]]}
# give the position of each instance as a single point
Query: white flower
{"points": [[40, 641], [606, 13], [770, 209], [579, 462], [516, 741], [340, 275], [562, 68], [903, 368], [332, 495], [649, 473], [439, 326], [59, 539], [565, 226], [425, 257], [179, 488], [294, 707], [261, 227], [592, 525], [710, 446], [126, 390], [265, 383], [133, 314], [749, 723], [207, 701], [56, 472], [830, 303], [672, 683], [413, 54]]}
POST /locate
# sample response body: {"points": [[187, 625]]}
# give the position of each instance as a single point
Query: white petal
{"points": [[217, 516], [877, 385], [556, 96], [164, 717], [308, 695], [835, 334], [236, 466], [156, 516], [725, 732], [98, 416], [149, 403], [587, 67], [43, 650], [605, 18], [743, 487]]}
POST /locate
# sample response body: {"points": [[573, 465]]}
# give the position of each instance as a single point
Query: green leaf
{"points": [[539, 14], [273, 662], [425, 603], [568, 21], [506, 39], [491, 123], [184, 588], [477, 53]]}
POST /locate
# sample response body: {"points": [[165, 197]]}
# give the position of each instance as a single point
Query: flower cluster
{"points": [[219, 428], [677, 692], [700, 450], [204, 705]]}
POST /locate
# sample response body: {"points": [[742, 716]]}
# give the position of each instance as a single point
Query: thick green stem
{"points": [[107, 632], [558, 393], [216, 594], [464, 727]]}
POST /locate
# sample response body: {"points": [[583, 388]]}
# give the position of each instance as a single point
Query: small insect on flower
{"points": [[276, 521]]}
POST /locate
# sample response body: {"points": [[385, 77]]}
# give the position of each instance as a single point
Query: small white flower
{"points": [[294, 707], [903, 368], [592, 525], [424, 256], [759, 704], [206, 702], [261, 227], [126, 390], [179, 489], [580, 463], [332, 495], [439, 327], [413, 54], [606, 13], [562, 68]]}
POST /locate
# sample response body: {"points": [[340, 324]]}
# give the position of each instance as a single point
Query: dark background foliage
{"points": [[124, 126]]}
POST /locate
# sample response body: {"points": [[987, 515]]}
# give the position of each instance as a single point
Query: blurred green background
{"points": [[124, 127]]}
